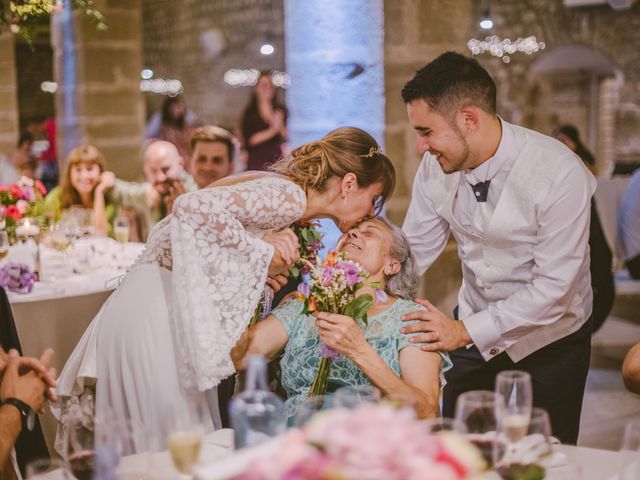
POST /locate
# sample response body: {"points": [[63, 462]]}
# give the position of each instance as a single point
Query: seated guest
{"points": [[86, 183], [631, 369], [213, 150], [23, 390], [600, 256], [629, 225], [152, 200], [378, 353]]}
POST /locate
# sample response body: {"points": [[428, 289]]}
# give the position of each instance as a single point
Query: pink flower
{"points": [[13, 212], [39, 185], [327, 352], [327, 276], [15, 190], [22, 206], [351, 272]]}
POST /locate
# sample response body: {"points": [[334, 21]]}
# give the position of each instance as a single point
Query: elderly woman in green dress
{"points": [[378, 354]]}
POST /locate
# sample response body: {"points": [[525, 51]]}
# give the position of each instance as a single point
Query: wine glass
{"points": [[4, 245], [630, 451], [121, 232], [79, 450], [477, 418], [515, 388], [307, 408], [528, 454], [441, 424], [43, 468], [350, 396], [185, 440]]}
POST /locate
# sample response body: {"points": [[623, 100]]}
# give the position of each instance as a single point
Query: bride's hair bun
{"points": [[343, 150]]}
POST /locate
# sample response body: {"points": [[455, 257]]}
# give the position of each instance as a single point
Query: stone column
{"points": [[607, 108], [9, 126], [98, 73], [417, 31], [334, 54]]}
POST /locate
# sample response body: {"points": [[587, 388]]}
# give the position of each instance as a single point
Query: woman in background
{"points": [[85, 183], [601, 258], [264, 128]]}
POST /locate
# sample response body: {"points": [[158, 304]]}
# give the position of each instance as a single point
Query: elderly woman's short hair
{"points": [[403, 284]]}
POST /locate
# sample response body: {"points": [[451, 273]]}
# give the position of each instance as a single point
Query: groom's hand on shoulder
{"points": [[436, 331]]}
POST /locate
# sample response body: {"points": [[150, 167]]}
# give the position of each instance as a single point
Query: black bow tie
{"points": [[481, 190]]}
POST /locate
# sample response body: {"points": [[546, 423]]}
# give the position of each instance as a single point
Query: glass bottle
{"points": [[256, 414]]}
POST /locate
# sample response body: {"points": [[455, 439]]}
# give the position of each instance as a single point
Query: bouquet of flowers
{"points": [[17, 277], [310, 241], [333, 287], [24, 198], [371, 442]]}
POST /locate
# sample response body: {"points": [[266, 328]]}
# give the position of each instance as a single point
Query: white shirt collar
{"points": [[489, 168]]}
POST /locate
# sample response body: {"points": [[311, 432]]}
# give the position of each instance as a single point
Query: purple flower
{"points": [[327, 276], [327, 352], [304, 290], [381, 296], [351, 272], [17, 277]]}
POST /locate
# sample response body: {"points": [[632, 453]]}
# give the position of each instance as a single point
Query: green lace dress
{"points": [[301, 355]]}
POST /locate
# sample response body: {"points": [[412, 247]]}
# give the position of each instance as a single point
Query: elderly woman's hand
{"points": [[341, 333]]}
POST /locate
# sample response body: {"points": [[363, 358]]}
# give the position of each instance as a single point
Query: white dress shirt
{"points": [[545, 273]]}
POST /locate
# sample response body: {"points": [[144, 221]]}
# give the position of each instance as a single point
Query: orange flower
{"points": [[331, 259], [312, 304]]}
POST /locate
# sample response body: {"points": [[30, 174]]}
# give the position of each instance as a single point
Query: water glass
{"points": [[307, 408], [351, 396], [441, 424], [529, 451], [515, 388], [46, 468], [121, 229], [185, 440], [477, 418]]}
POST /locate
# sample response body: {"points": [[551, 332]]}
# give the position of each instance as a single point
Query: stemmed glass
{"points": [[308, 407], [350, 396], [515, 388], [79, 450], [121, 232], [527, 456], [4, 245], [477, 418], [185, 439]]}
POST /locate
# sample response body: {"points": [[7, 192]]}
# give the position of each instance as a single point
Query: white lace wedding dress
{"points": [[163, 337]]}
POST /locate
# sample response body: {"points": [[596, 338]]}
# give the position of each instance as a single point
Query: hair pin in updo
{"points": [[372, 151]]}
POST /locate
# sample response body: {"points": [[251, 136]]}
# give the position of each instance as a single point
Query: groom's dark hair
{"points": [[450, 82]]}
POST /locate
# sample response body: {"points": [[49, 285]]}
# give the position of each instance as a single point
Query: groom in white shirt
{"points": [[518, 204]]}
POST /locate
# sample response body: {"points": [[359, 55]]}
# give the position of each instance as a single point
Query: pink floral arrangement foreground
{"points": [[373, 442]]}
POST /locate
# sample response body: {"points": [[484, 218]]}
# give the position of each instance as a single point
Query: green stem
{"points": [[319, 385]]}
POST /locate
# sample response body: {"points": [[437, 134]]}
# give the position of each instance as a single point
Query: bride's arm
{"points": [[267, 338]]}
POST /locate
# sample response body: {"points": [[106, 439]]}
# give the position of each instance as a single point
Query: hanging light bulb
{"points": [[486, 23], [267, 48]]}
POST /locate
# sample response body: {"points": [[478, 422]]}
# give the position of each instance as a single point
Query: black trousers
{"points": [[558, 373]]}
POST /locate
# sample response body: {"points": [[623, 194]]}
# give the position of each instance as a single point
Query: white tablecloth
{"points": [[56, 313]]}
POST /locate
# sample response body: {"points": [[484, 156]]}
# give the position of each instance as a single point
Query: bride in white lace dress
{"points": [[163, 338]]}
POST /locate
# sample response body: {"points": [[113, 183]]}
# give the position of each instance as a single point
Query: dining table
{"points": [[74, 285]]}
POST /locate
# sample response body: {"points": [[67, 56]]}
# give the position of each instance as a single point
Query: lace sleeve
{"points": [[219, 269]]}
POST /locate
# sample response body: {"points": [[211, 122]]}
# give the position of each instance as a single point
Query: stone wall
{"points": [[182, 41], [98, 73], [8, 94]]}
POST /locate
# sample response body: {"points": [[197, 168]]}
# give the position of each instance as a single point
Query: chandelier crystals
{"points": [[504, 47]]}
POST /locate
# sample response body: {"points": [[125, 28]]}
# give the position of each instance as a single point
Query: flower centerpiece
{"points": [[333, 287], [371, 442], [310, 241], [23, 199], [17, 277]]}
